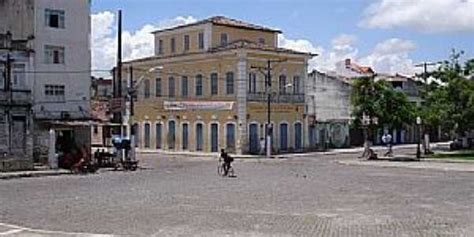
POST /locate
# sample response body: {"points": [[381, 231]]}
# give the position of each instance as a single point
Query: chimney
{"points": [[348, 61]]}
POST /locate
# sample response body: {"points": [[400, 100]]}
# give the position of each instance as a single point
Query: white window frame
{"points": [[60, 14], [50, 52], [55, 93]]}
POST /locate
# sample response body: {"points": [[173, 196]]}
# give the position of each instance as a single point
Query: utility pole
{"points": [[268, 86], [425, 82], [119, 69]]}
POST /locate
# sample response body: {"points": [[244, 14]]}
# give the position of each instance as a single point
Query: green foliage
{"points": [[379, 99], [449, 102]]}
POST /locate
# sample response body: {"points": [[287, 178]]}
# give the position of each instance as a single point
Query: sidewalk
{"points": [[434, 164], [39, 172], [354, 150]]}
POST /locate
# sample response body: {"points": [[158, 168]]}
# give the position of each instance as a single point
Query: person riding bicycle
{"points": [[227, 161]]}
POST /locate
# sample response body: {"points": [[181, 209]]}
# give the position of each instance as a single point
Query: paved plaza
{"points": [[304, 196]]}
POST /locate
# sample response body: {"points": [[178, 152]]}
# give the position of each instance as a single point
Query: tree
{"points": [[449, 99], [378, 99]]}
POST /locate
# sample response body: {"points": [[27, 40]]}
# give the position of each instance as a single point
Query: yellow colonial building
{"points": [[211, 89]]}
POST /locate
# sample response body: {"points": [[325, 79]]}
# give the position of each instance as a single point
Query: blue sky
{"points": [[317, 24]]}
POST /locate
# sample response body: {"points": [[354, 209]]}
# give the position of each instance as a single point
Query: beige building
{"points": [[208, 94]]}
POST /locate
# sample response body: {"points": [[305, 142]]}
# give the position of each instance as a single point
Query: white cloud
{"points": [[342, 47], [344, 39], [423, 15], [136, 44], [391, 56]]}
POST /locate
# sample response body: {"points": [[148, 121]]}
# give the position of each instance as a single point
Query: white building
{"points": [[57, 73], [329, 110]]}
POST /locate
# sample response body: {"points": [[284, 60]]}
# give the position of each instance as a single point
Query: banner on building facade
{"points": [[198, 105]]}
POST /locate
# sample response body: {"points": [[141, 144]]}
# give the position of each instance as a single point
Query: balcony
{"points": [[15, 97], [276, 98]]}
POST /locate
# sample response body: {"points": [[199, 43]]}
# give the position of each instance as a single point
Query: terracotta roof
{"points": [[357, 68], [224, 21]]}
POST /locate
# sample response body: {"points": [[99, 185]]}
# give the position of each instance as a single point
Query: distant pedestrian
{"points": [[262, 146], [387, 140]]}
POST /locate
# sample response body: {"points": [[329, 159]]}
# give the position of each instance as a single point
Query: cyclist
{"points": [[227, 161]]}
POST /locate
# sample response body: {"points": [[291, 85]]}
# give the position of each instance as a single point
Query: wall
{"points": [[75, 37], [151, 110], [16, 17], [178, 35], [238, 34], [328, 98], [212, 34]]}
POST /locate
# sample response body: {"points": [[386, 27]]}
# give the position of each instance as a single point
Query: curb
{"points": [[33, 174], [392, 164]]}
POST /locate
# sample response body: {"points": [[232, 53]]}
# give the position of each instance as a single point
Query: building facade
{"points": [[101, 113], [211, 92], [16, 140], [57, 67], [329, 111]]}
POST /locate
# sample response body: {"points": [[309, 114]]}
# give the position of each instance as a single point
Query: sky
{"points": [[389, 35]]}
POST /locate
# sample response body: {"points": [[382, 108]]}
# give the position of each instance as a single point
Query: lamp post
{"points": [[418, 151], [131, 93], [268, 86]]}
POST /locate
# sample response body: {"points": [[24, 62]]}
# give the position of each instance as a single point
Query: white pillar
{"points": [[242, 102]]}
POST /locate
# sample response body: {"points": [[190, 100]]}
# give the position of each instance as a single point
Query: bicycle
{"points": [[220, 169]]}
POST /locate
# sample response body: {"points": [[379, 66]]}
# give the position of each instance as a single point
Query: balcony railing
{"points": [[15, 97], [276, 98]]}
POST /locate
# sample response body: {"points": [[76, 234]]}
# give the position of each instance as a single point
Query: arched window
{"points": [[199, 137], [171, 134], [158, 132], [214, 137], [283, 136], [146, 134], [298, 136], [185, 136], [230, 136]]}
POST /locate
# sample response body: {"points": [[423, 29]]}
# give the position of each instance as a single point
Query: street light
{"points": [[268, 85], [269, 125], [418, 151], [131, 92]]}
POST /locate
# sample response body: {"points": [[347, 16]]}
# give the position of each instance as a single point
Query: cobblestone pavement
{"points": [[305, 196]]}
